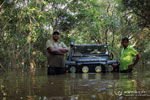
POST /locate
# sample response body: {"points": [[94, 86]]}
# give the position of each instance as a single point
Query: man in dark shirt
{"points": [[55, 54]]}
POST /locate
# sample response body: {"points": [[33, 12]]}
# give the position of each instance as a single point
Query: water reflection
{"points": [[36, 85]]}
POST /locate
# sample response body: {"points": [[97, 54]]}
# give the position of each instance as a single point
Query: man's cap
{"points": [[125, 39], [56, 32]]}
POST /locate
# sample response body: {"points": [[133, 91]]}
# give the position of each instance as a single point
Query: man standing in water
{"points": [[127, 55], [55, 55]]}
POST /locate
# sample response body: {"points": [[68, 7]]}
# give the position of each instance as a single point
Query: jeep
{"points": [[89, 58]]}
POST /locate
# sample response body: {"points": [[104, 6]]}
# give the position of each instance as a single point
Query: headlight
{"points": [[72, 69], [98, 69], [85, 69]]}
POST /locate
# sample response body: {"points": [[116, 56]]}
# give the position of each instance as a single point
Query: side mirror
{"points": [[71, 44]]}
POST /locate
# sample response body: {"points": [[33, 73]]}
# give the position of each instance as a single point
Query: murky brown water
{"points": [[36, 85]]}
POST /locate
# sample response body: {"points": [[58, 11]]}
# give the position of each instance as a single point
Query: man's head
{"points": [[56, 35], [125, 42]]}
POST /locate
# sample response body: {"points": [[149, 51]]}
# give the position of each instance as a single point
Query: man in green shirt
{"points": [[127, 55], [55, 54]]}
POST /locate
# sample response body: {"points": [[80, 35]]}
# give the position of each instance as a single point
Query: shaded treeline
{"points": [[25, 26]]}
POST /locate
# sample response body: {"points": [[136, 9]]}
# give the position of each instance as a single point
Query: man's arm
{"points": [[138, 56], [58, 51], [55, 51], [64, 50]]}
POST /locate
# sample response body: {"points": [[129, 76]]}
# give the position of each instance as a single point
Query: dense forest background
{"points": [[26, 25]]}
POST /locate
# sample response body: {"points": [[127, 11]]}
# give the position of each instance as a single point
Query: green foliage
{"points": [[25, 26], [141, 8]]}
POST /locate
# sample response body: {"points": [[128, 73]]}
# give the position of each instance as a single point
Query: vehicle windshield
{"points": [[89, 50]]}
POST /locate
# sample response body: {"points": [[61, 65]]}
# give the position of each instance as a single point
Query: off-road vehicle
{"points": [[89, 58]]}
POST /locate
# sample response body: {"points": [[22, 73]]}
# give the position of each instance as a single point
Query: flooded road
{"points": [[37, 85]]}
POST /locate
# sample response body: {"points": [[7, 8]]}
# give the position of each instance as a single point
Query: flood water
{"points": [[35, 84]]}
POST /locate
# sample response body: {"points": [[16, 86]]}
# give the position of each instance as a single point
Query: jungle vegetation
{"points": [[26, 25]]}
